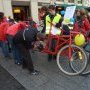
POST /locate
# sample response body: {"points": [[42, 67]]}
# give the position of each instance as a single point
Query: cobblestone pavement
{"points": [[50, 77], [8, 82]]}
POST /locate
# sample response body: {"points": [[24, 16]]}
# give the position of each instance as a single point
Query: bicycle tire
{"points": [[87, 69], [71, 72]]}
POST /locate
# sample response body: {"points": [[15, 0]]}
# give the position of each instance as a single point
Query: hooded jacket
{"points": [[3, 30], [12, 30]]}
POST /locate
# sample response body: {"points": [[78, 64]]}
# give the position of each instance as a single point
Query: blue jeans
{"points": [[16, 54], [15, 51], [5, 50]]}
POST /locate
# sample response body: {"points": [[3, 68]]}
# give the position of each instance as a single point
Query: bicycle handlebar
{"points": [[74, 32]]}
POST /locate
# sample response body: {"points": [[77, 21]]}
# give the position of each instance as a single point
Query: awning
{"points": [[88, 8], [77, 6]]}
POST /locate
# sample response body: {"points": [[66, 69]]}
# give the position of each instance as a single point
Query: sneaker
{"points": [[35, 72], [18, 63]]}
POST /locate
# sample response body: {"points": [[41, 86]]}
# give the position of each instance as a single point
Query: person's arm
{"points": [[86, 24], [58, 25]]}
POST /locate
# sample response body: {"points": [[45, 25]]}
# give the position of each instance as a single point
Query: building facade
{"points": [[21, 9]]}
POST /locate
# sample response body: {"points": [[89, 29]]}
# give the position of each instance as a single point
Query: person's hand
{"points": [[88, 33], [35, 45], [53, 24], [38, 45], [41, 36]]}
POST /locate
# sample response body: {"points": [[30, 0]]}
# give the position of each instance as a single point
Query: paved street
{"points": [[50, 77], [8, 82]]}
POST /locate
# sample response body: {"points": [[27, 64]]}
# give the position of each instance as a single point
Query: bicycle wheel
{"points": [[64, 62], [87, 69]]}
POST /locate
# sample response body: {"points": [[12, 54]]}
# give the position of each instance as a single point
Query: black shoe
{"points": [[54, 57], [35, 72], [49, 58], [8, 57]]}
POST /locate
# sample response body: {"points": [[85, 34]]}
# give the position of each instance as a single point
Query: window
{"points": [[60, 0], [71, 1], [79, 1]]}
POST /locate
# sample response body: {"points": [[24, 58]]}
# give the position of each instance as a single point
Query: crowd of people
{"points": [[19, 37], [81, 23]]}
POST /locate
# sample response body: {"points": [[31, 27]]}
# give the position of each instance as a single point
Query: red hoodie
{"points": [[3, 29], [12, 30], [3, 20], [85, 26]]}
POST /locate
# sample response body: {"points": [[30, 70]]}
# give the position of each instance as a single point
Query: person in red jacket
{"points": [[2, 18], [3, 40], [3, 28], [11, 32], [82, 23]]}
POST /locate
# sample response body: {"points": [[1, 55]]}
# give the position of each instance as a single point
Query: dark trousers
{"points": [[52, 48], [4, 47], [27, 60], [15, 51]]}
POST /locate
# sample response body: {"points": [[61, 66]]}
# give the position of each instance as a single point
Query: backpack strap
{"points": [[24, 33]]}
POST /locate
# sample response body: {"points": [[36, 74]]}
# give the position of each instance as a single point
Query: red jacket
{"points": [[85, 26], [3, 29], [3, 20], [12, 30]]}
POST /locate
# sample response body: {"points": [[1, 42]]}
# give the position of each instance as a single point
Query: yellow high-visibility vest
{"points": [[48, 24]]}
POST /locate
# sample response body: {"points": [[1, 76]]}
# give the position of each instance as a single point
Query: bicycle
{"points": [[67, 53], [87, 69]]}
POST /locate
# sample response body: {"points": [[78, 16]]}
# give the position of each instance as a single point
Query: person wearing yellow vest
{"points": [[53, 21], [53, 24]]}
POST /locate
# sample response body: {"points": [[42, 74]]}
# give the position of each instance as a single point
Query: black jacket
{"points": [[26, 37], [44, 22]]}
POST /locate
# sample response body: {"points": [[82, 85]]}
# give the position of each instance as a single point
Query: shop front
{"points": [[21, 10]]}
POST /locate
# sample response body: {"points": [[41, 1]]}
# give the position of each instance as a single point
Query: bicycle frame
{"points": [[60, 42]]}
